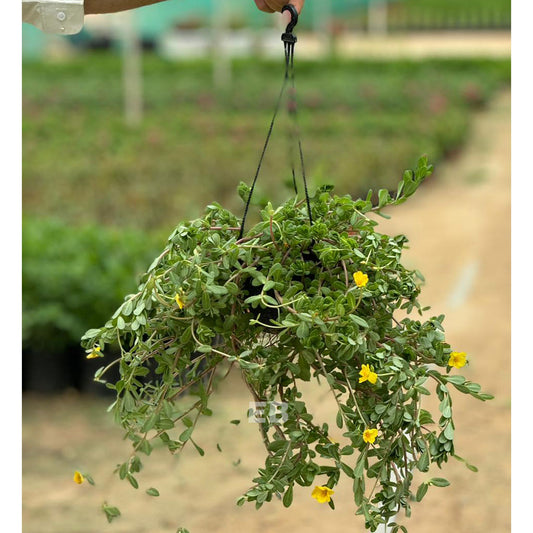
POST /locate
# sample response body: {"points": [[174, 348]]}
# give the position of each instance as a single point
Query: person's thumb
{"points": [[286, 15], [298, 4]]}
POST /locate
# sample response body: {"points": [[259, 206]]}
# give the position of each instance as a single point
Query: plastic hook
{"points": [[294, 17], [288, 35]]}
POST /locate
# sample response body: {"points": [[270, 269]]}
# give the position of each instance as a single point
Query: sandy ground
{"points": [[459, 231], [413, 45]]}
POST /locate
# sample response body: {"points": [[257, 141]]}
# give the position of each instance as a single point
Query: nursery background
{"points": [[146, 117]]}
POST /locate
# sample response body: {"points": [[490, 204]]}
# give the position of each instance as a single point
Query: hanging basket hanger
{"points": [[289, 40]]}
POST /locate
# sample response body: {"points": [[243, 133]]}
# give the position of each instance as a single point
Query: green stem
{"points": [[354, 399]]}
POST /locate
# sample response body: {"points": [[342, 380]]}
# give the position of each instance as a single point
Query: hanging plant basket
{"points": [[286, 303]]}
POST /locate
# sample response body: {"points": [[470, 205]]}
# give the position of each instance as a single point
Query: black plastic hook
{"points": [[288, 36], [294, 17]]}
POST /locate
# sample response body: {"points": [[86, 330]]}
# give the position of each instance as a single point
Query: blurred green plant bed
{"points": [[421, 15], [73, 276], [362, 123], [458, 11]]}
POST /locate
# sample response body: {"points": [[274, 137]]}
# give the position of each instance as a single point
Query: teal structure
{"points": [[153, 21]]}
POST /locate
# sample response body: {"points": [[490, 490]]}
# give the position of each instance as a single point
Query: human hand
{"points": [[270, 6]]}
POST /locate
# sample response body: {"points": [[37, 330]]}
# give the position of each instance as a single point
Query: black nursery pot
{"points": [[267, 314]]}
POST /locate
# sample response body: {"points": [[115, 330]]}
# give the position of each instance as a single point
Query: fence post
{"points": [[322, 22], [219, 52], [377, 17], [131, 70]]}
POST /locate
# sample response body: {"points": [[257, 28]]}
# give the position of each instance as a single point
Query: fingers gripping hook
{"points": [[288, 36]]}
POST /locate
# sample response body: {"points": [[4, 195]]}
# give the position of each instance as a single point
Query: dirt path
{"points": [[459, 230]]}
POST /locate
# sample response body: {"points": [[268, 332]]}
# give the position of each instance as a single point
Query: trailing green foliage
{"points": [[74, 276], [287, 303]]}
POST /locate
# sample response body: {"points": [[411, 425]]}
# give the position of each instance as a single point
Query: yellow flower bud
{"points": [[322, 494], [367, 375], [360, 279], [95, 353], [369, 435], [457, 359], [179, 301]]}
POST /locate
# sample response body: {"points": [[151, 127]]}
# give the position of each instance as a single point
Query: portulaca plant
{"points": [[286, 303]]}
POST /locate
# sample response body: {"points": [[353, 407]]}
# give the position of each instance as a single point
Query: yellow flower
{"points": [[95, 353], [369, 435], [360, 279], [322, 494], [78, 478], [179, 301], [457, 359], [367, 375]]}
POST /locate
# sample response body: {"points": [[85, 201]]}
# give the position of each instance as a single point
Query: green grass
{"points": [[362, 123]]}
